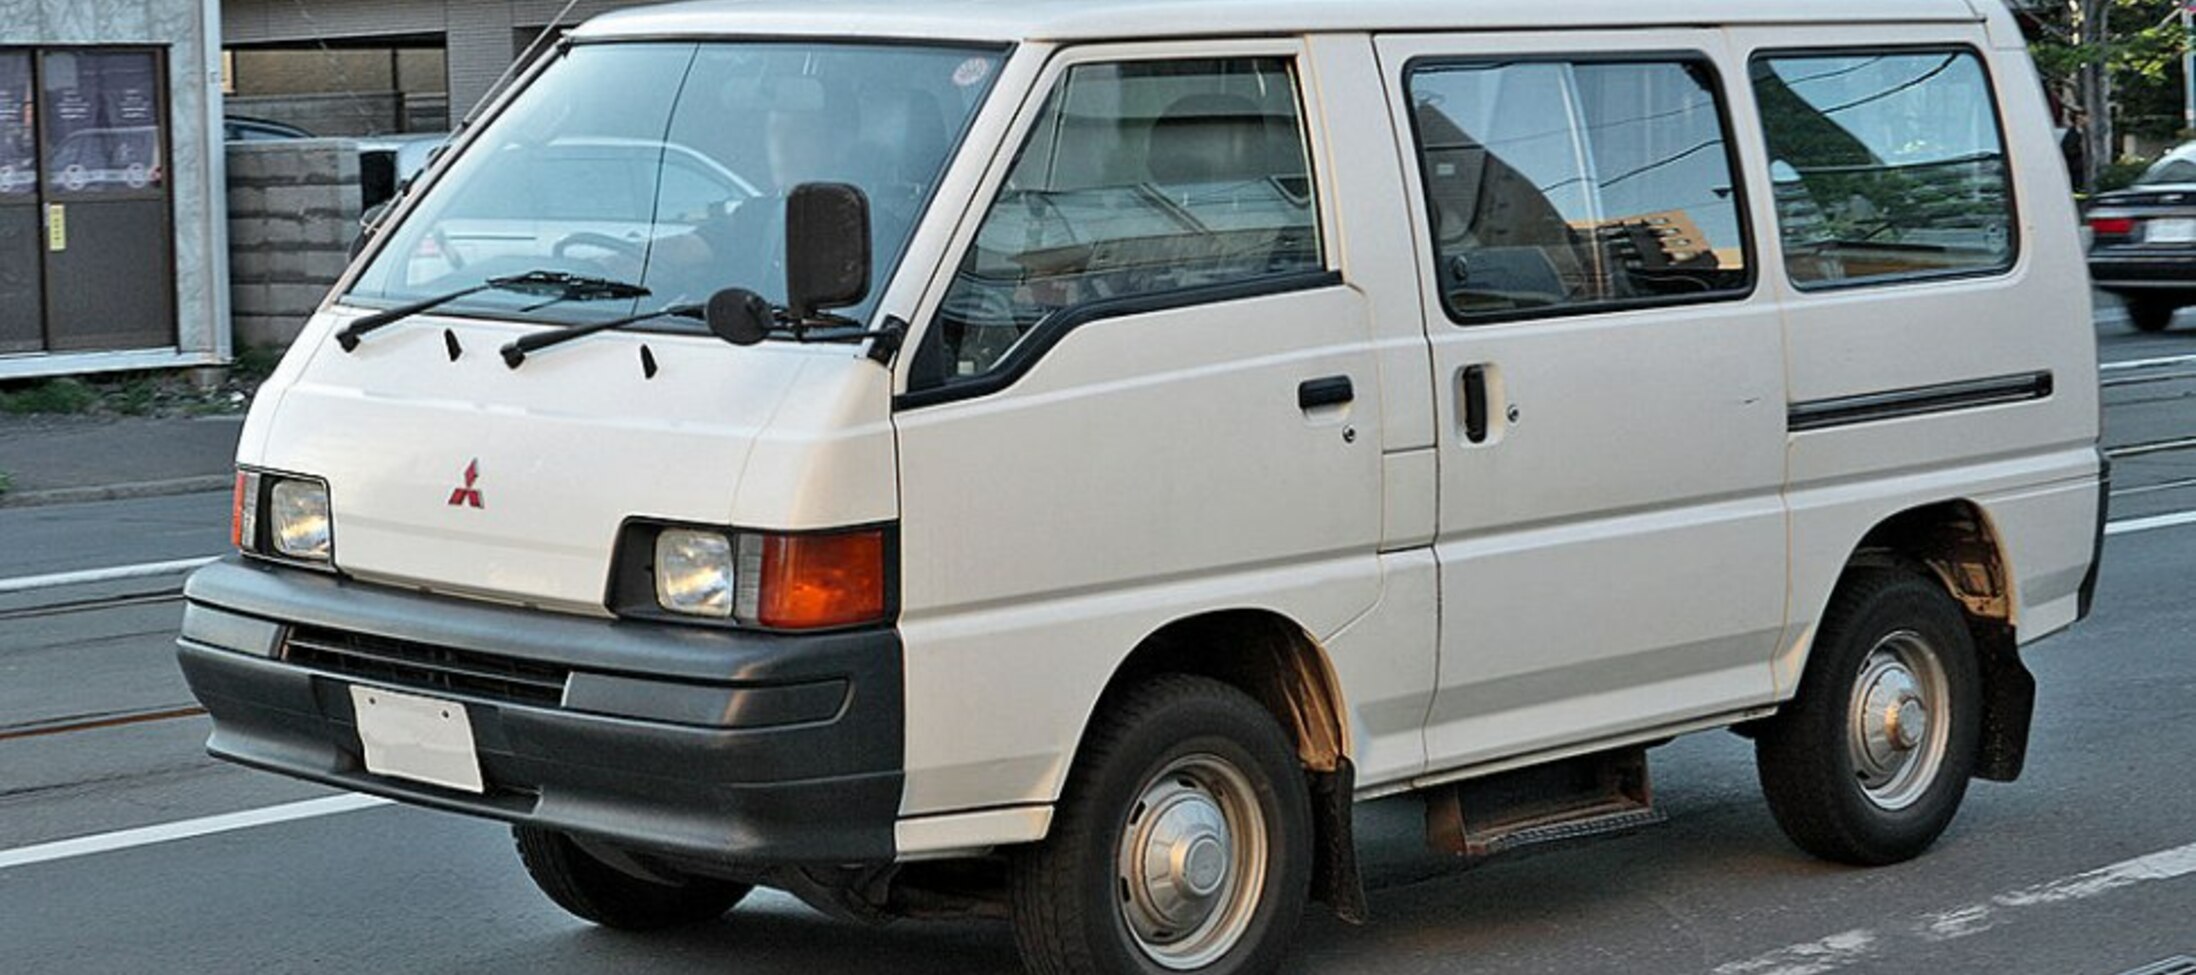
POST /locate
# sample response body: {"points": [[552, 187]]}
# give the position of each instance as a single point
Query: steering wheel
{"points": [[588, 238]]}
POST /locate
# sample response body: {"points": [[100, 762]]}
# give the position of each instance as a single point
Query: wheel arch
{"points": [[1279, 664], [1957, 543], [1263, 654]]}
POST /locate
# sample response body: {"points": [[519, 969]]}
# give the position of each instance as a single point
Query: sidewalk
{"points": [[67, 459]]}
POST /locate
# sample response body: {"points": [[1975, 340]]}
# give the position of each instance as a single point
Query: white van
{"points": [[1051, 458]]}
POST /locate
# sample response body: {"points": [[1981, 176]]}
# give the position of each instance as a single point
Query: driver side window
{"points": [[1139, 179]]}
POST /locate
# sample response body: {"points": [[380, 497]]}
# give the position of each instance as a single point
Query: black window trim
{"points": [[1049, 330], [2018, 243], [1719, 89]]}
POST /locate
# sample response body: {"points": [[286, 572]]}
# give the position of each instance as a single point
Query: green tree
{"points": [[2116, 63]]}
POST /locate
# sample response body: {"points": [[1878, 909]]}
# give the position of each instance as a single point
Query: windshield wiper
{"points": [[515, 352], [555, 285]]}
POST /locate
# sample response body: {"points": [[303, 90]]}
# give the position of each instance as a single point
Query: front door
{"points": [[1610, 381], [1145, 393], [103, 210]]}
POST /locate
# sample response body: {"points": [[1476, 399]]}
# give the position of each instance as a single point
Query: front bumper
{"points": [[735, 748]]}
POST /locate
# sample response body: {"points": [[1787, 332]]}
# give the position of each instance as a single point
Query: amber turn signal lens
{"points": [[813, 582], [236, 513], [244, 512]]}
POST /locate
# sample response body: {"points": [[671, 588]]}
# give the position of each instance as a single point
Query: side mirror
{"points": [[738, 316], [826, 248]]}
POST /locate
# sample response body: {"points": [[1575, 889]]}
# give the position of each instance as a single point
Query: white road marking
{"points": [[1851, 947], [116, 573], [186, 829], [2132, 364], [1812, 958], [2133, 525]]}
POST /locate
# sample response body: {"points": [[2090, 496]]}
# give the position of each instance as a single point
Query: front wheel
{"points": [[597, 891], [1183, 842], [1869, 763]]}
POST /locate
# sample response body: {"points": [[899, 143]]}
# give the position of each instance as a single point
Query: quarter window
{"points": [[1139, 179], [1887, 167], [1556, 186]]}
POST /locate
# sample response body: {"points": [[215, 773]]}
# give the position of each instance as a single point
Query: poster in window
{"points": [[18, 137], [102, 113]]}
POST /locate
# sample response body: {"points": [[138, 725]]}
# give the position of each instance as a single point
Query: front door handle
{"points": [[1312, 394]]}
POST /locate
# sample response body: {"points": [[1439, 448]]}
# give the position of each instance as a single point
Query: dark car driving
{"points": [[2144, 247]]}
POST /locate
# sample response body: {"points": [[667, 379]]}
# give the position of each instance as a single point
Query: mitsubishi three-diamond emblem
{"points": [[468, 496]]}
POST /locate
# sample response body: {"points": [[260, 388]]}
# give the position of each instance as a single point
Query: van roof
{"points": [[1082, 20]]}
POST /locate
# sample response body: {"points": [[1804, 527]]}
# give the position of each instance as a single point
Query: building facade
{"points": [[112, 218], [368, 50]]}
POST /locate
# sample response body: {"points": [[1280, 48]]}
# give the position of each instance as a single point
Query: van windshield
{"points": [[667, 165]]}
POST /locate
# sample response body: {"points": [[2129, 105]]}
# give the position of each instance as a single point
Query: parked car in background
{"points": [[387, 162], [245, 128], [2144, 241]]}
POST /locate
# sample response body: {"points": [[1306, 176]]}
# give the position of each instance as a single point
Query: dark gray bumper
{"points": [[739, 748]]}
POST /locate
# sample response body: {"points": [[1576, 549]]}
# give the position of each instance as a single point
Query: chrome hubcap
{"points": [[1192, 862], [1898, 741]]}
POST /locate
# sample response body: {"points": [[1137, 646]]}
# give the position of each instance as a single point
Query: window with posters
{"points": [[103, 122], [18, 136]]}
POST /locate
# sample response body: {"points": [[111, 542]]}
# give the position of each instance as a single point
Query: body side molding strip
{"points": [[1895, 404]]}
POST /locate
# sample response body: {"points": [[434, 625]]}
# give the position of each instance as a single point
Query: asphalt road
{"points": [[2087, 865]]}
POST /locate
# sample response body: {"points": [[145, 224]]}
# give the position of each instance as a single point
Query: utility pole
{"points": [[2188, 69], [2092, 32]]}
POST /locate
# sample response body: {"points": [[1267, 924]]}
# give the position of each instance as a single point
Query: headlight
{"points": [[782, 581], [299, 521], [694, 573]]}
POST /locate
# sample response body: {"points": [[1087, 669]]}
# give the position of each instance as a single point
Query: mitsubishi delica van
{"points": [[1050, 459]]}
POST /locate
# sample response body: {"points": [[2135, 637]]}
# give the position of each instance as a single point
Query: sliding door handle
{"points": [[1312, 394], [1474, 397]]}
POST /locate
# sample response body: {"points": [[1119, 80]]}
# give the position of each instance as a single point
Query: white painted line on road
{"points": [[1812, 958], [2133, 525], [1843, 950], [186, 829], [116, 573], [2171, 360]]}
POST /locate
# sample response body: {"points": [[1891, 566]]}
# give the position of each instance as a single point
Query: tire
{"points": [[595, 891], [2151, 314], [1847, 774], [1162, 764]]}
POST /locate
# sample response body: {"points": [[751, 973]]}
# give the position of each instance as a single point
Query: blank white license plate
{"points": [[2169, 231], [417, 738]]}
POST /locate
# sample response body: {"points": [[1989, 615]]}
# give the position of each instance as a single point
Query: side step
{"points": [[1591, 795]]}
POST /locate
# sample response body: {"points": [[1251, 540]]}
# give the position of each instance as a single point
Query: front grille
{"points": [[424, 666]]}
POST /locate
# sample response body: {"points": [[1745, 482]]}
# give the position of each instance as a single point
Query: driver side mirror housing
{"points": [[827, 258]]}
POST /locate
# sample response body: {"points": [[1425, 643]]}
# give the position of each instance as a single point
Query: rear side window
{"points": [[1887, 166], [1139, 180], [1556, 186]]}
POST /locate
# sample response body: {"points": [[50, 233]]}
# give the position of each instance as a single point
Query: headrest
{"points": [[1212, 138]]}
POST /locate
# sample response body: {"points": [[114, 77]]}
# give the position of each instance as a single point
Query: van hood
{"points": [[467, 477]]}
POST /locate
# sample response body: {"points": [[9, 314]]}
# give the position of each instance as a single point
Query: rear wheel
{"points": [[596, 891], [1183, 842], [1869, 763], [2151, 314]]}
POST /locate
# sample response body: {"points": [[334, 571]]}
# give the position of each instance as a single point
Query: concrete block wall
{"points": [[293, 210]]}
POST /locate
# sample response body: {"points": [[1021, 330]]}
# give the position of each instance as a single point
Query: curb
{"points": [[119, 492]]}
